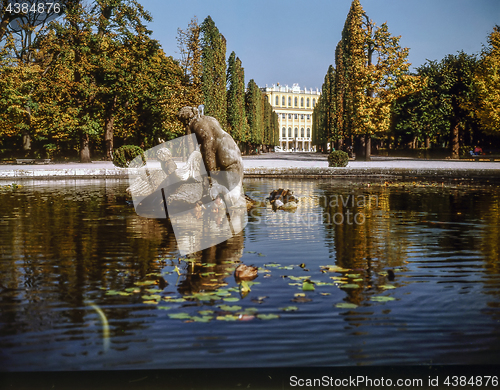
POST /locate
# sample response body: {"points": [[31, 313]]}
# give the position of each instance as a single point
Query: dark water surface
{"points": [[81, 285]]}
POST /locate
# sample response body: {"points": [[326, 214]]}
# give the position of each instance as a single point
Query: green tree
{"points": [[236, 116], [191, 52], [487, 81], [374, 73], [214, 71], [253, 107]]}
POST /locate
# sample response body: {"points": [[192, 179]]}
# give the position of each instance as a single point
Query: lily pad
{"points": [[206, 312], [231, 299], [230, 308], [180, 316], [261, 254], [307, 286], [164, 307], [387, 286], [228, 317], [145, 283], [353, 275], [350, 285], [151, 297], [267, 316], [151, 302], [382, 298], [346, 305], [289, 308], [201, 319]]}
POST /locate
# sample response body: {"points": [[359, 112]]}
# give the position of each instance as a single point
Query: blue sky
{"points": [[294, 41]]}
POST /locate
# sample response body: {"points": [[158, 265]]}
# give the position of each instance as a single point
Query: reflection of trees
{"points": [[68, 243], [212, 266]]}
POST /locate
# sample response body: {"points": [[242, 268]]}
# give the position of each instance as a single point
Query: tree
{"points": [[191, 52], [487, 81], [214, 71], [236, 116], [253, 107], [373, 70]]}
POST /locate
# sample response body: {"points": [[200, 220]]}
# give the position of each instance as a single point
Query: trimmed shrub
{"points": [[125, 154], [338, 158]]}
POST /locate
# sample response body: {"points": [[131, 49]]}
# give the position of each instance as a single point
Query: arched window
{"points": [[289, 132], [308, 133], [289, 101], [314, 103], [301, 102], [277, 100], [296, 132], [283, 133], [302, 132], [283, 101], [296, 100], [307, 102]]}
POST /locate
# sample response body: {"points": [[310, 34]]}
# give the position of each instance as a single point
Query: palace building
{"points": [[294, 107]]}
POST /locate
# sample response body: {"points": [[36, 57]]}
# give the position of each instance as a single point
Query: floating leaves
{"points": [[346, 305], [229, 308], [381, 298], [307, 285], [289, 308], [267, 316], [387, 286], [349, 285]]}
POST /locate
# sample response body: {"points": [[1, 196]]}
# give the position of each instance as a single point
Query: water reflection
{"points": [[63, 245]]}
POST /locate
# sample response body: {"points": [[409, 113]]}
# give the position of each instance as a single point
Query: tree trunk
{"points": [[84, 148], [368, 147], [360, 147], [455, 143], [109, 121]]}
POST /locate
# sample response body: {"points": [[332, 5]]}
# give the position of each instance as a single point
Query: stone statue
{"points": [[220, 153]]}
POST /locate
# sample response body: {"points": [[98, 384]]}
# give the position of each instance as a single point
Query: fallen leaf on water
{"points": [[227, 317], [289, 308], [229, 308], [346, 305], [382, 299], [180, 316], [267, 316]]}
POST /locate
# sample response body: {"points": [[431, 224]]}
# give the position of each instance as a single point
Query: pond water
{"points": [[360, 274]]}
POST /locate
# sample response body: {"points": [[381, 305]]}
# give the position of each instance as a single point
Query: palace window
{"points": [[289, 116], [308, 133], [289, 132], [308, 116], [283, 116], [307, 102], [314, 103], [302, 132], [296, 132], [296, 116], [296, 100], [302, 116], [283, 133], [301, 102], [283, 101], [289, 101], [277, 100]]}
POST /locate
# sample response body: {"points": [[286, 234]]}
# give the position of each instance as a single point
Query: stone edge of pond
{"points": [[281, 172]]}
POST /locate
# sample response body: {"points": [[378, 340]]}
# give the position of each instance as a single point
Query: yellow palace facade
{"points": [[294, 107]]}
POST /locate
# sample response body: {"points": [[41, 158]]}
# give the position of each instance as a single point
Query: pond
{"points": [[360, 274]]}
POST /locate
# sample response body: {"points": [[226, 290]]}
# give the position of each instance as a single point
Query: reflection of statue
{"points": [[220, 153]]}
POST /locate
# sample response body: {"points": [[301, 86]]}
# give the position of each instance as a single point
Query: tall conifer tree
{"points": [[236, 116], [214, 71]]}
